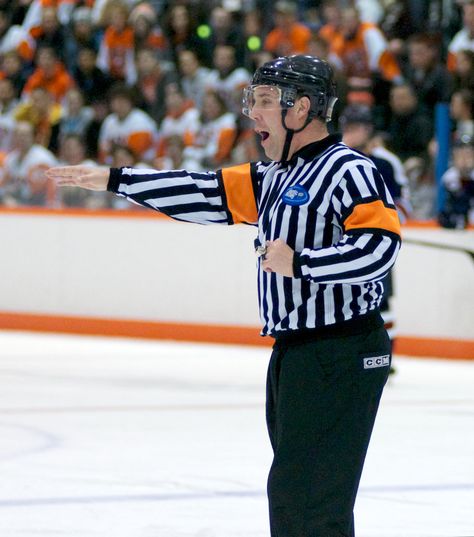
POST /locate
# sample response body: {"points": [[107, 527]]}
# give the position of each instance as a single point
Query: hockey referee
{"points": [[327, 234]]}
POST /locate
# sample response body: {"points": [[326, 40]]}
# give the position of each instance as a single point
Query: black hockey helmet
{"points": [[297, 76]]}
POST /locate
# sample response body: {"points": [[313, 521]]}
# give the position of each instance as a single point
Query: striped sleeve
{"points": [[370, 241], [222, 197]]}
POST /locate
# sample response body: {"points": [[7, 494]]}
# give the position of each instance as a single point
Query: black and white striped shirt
{"points": [[328, 203]]}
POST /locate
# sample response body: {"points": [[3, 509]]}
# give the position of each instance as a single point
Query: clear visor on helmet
{"points": [[259, 97]]}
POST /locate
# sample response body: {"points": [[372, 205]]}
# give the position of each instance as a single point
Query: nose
{"points": [[253, 114]]}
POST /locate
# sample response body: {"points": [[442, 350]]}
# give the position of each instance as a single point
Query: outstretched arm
{"points": [[223, 197]]}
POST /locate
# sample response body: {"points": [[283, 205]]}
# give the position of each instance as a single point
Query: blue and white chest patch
{"points": [[295, 195]]}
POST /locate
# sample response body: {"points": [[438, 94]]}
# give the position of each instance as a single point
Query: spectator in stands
{"points": [[464, 70], [193, 76], [213, 142], [116, 51], [72, 151], [462, 114], [12, 68], [8, 104], [82, 34], [459, 183], [464, 39], [397, 26], [410, 128], [224, 31], [50, 33], [91, 80], [126, 125], [364, 57], [25, 182], [430, 78], [331, 20], [421, 182], [181, 119], [76, 117], [100, 110], [49, 74], [181, 33], [146, 31], [288, 36], [8, 100], [14, 38], [44, 114], [153, 75], [34, 14], [227, 78], [253, 34], [175, 158]]}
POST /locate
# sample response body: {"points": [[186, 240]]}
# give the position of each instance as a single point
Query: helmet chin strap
{"points": [[290, 133]]}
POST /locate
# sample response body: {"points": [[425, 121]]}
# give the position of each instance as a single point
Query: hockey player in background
{"points": [[358, 132]]}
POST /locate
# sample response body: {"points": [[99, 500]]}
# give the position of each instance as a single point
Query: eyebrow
{"points": [[265, 93]]}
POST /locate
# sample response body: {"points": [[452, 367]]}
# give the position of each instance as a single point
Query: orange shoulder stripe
{"points": [[239, 192], [373, 215]]}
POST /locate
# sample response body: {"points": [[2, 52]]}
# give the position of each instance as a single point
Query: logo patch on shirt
{"points": [[377, 361], [295, 195]]}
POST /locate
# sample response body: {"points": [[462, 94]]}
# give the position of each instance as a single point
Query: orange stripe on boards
{"points": [[239, 192], [132, 328], [456, 349], [373, 215], [235, 335]]}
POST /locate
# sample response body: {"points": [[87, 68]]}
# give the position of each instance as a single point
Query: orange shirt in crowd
{"points": [[57, 85], [292, 40], [116, 52], [365, 53]]}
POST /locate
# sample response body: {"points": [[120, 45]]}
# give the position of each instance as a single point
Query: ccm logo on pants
{"points": [[376, 361]]}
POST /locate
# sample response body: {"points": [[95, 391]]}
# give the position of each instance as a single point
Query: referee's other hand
{"points": [[278, 258]]}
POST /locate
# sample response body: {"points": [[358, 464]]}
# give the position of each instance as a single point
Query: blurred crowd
{"points": [[159, 83]]}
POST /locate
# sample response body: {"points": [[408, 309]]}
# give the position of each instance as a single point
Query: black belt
{"points": [[352, 327]]}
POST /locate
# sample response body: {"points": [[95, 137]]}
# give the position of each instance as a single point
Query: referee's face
{"points": [[266, 112]]}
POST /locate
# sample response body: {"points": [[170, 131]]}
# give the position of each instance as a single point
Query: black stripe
{"points": [[256, 186], [222, 192]]}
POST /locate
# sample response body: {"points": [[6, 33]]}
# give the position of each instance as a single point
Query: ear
{"points": [[303, 105]]}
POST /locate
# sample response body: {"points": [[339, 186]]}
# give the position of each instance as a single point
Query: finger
{"points": [[66, 171]]}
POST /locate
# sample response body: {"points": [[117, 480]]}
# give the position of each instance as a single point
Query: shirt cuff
{"points": [[115, 176], [297, 262]]}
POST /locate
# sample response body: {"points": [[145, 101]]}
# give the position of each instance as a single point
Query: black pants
{"points": [[322, 399]]}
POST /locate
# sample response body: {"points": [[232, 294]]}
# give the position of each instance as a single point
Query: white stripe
{"points": [[157, 184], [202, 216], [329, 306], [347, 294], [360, 183], [185, 199]]}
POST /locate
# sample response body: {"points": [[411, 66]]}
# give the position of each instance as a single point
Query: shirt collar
{"points": [[314, 149]]}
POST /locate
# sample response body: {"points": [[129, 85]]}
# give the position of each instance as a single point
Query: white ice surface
{"points": [[124, 438]]}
